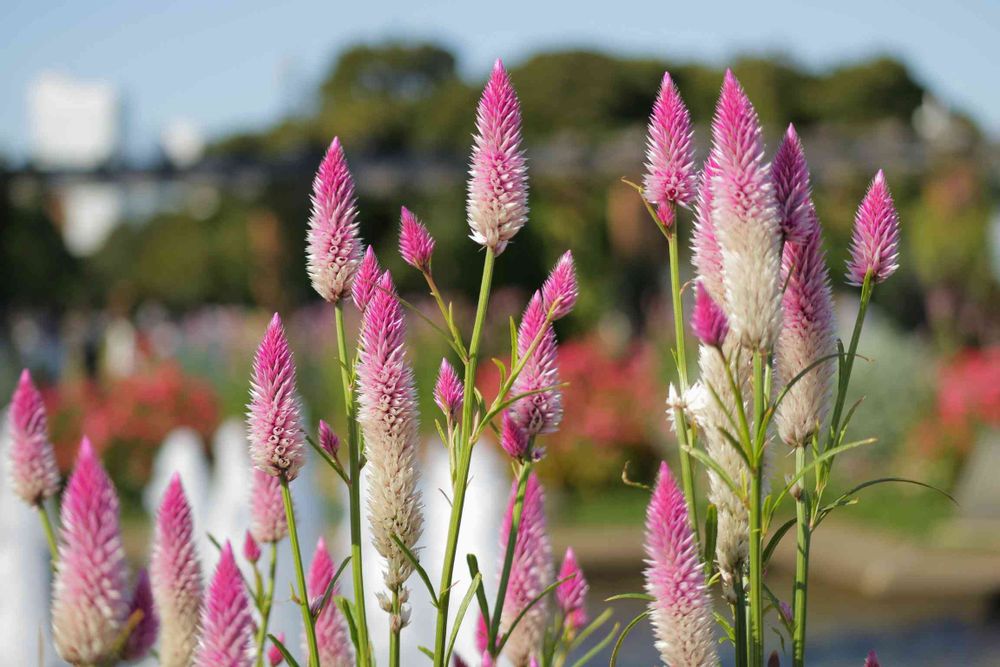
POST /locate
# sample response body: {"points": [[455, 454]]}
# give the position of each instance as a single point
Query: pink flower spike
{"points": [[539, 412], [333, 245], [791, 187], [144, 634], [675, 577], [707, 255], [482, 635], [251, 550], [487, 660], [227, 626], [364, 281], [670, 176], [416, 245], [176, 577], [708, 321], [332, 638], [514, 440], [34, 474], [572, 593], [91, 597], [498, 177], [449, 391], [561, 287], [268, 521], [328, 440], [872, 659], [274, 656], [875, 240], [273, 422]]}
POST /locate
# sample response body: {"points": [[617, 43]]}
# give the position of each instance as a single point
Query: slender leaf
{"points": [[284, 651], [418, 567], [535, 600], [645, 597], [625, 633], [473, 587], [590, 629], [772, 544], [484, 607], [597, 648]]}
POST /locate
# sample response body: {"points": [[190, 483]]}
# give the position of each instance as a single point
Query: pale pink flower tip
{"points": [[274, 426], [251, 550], [416, 245], [681, 610], [328, 440], [144, 634], [368, 274], [91, 598], [560, 289], [514, 439], [708, 321], [670, 175], [541, 411], [227, 626], [268, 521], [707, 255], [334, 247], [875, 240], [332, 638], [274, 656], [498, 177], [449, 391], [572, 593], [872, 660], [34, 474], [791, 187]]}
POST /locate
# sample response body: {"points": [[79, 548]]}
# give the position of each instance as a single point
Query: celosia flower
{"points": [[670, 176], [807, 335], [273, 422], [34, 475], [387, 413], [416, 245], [487, 660], [707, 255], [681, 612], [143, 635], [875, 240], [872, 660], [514, 439], [334, 248], [364, 281], [332, 639], [530, 573], [541, 411], [747, 223], [691, 403], [268, 522], [572, 593], [482, 636], [449, 391], [90, 596], [328, 440], [708, 321], [176, 577], [561, 287], [251, 550], [274, 656], [227, 627], [498, 176]]}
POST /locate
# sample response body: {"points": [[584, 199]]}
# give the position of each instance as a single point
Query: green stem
{"points": [[300, 576], [395, 627], [50, 534], [803, 535], [756, 621], [740, 621], [464, 459], [266, 597], [508, 559], [354, 489], [847, 364]]}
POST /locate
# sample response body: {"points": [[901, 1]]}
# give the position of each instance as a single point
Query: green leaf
{"points": [[830, 453], [426, 651], [535, 600], [621, 638], [330, 461], [284, 651], [513, 343], [590, 629], [329, 587], [597, 648], [418, 567], [473, 587], [772, 544], [716, 468], [345, 608], [845, 497], [711, 536], [645, 597], [484, 607]]}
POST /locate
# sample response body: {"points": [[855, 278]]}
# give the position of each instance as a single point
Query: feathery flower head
{"points": [[333, 245], [364, 281], [251, 550], [681, 611], [542, 411], [487, 660], [328, 440], [274, 655], [708, 321], [670, 175], [746, 218], [530, 573], [91, 597], [514, 439], [572, 593], [482, 635], [707, 255], [691, 403], [561, 287], [790, 174], [416, 245], [227, 626], [498, 177], [872, 659], [875, 240], [268, 521], [144, 634], [332, 639], [274, 426], [176, 577], [449, 391], [387, 413], [34, 475]]}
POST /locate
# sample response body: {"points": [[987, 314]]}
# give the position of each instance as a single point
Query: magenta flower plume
{"points": [[807, 335], [387, 413], [268, 521], [333, 245], [176, 577], [530, 573], [34, 475], [875, 240], [572, 593], [482, 635], [514, 439], [227, 626], [449, 391], [416, 245], [498, 177], [364, 281], [332, 639], [707, 255], [872, 660], [328, 440], [708, 321], [539, 412], [274, 655], [274, 426], [681, 612], [747, 222], [90, 596], [144, 634], [251, 550], [560, 288], [670, 175]]}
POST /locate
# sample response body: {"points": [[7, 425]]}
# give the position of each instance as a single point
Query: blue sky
{"points": [[227, 65]]}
